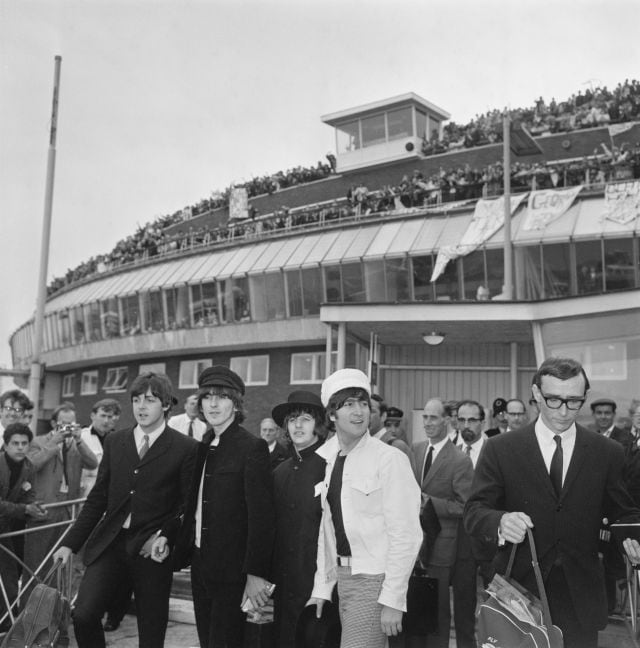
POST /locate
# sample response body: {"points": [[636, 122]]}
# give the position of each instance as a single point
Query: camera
{"points": [[67, 430]]}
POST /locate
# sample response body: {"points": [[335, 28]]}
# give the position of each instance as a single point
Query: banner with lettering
{"points": [[547, 205], [238, 203], [488, 218], [622, 202]]}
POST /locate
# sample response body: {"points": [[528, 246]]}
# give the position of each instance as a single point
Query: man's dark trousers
{"points": [[103, 578]]}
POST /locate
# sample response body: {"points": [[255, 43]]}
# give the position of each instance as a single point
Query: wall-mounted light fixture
{"points": [[434, 338]]}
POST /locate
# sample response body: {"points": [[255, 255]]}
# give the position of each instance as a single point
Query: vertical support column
{"points": [[327, 351], [538, 343], [513, 370], [342, 344]]}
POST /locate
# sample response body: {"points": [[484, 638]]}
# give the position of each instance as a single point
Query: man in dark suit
{"points": [[229, 525], [604, 414], [131, 517], [560, 480], [498, 410], [444, 473], [270, 432]]}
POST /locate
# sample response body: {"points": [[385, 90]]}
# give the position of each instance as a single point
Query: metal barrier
{"points": [[65, 583]]}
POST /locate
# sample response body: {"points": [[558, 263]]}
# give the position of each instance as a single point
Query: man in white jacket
{"points": [[370, 530]]}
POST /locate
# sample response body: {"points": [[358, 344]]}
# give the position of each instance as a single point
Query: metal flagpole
{"points": [[34, 379], [507, 291]]}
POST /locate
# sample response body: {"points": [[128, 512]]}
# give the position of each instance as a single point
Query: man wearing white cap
{"points": [[370, 530]]}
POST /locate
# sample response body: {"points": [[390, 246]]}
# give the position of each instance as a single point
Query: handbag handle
{"points": [[546, 613]]}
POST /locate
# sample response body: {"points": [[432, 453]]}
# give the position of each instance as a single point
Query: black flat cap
{"points": [[220, 376]]}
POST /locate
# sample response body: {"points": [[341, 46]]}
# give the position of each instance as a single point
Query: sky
{"points": [[163, 103]]}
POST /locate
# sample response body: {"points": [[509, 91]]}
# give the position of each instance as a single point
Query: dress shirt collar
{"points": [[545, 435], [153, 436]]}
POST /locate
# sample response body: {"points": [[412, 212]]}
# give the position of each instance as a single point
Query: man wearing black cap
{"points": [[604, 414], [499, 408], [131, 518], [229, 524]]}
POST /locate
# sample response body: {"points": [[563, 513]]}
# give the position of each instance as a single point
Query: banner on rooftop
{"points": [[238, 203], [547, 205], [488, 218], [622, 202], [618, 129]]}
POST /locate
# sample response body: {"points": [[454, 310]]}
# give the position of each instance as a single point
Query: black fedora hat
{"points": [[324, 632], [297, 400]]}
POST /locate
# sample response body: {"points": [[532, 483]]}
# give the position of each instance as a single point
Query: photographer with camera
{"points": [[58, 459]]}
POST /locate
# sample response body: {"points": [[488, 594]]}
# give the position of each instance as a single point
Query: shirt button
{"points": [[131, 492], [136, 471]]}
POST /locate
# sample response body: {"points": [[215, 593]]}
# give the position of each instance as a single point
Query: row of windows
{"points": [[544, 271], [306, 368]]}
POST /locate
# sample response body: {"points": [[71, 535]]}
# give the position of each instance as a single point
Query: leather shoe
{"points": [[110, 625]]}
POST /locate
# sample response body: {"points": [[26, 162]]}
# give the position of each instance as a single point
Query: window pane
{"points": [[422, 269], [557, 273], [332, 280], [373, 130], [529, 272], [274, 283], [259, 297], [210, 303], [259, 369], [352, 283], [311, 291], [397, 279], [495, 271], [64, 328], [589, 267], [77, 324], [619, 266], [92, 312], [473, 265], [301, 367], [447, 285], [110, 318], [294, 293], [421, 123], [89, 383], [236, 300], [374, 281], [130, 315], [348, 137], [241, 367], [399, 123], [189, 372]]}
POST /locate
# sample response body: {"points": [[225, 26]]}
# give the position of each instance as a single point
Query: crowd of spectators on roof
{"points": [[588, 109]]}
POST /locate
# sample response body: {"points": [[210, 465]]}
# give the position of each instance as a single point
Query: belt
{"points": [[344, 561]]}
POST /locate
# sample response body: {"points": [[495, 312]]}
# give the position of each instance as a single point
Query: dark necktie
{"points": [[144, 448], [427, 463], [468, 449], [190, 432], [555, 470]]}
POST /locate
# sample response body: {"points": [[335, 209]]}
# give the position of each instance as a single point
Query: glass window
{"points": [[68, 385], [494, 260], [332, 281], [110, 318], [64, 328], [557, 274], [189, 372], [92, 317], [589, 267], [448, 284], [374, 281], [89, 383], [116, 380], [254, 370], [422, 270], [310, 367], [235, 302], [153, 367], [311, 291], [130, 315], [259, 297], [153, 311], [399, 123], [204, 304], [373, 130], [397, 279], [348, 136], [421, 124], [177, 307], [76, 317], [353, 283], [619, 267], [473, 273], [274, 288], [294, 292], [529, 272]]}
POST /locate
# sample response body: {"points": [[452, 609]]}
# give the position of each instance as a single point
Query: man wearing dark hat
{"points": [[499, 408], [604, 414], [229, 523], [131, 518], [385, 425]]}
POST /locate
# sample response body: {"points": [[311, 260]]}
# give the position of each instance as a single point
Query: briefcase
{"points": [[512, 617], [421, 616]]}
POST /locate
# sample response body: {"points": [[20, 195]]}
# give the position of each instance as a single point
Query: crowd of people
{"points": [[588, 109], [319, 533]]}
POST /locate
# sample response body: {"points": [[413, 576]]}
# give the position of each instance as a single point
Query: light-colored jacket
{"points": [[89, 475], [380, 508]]}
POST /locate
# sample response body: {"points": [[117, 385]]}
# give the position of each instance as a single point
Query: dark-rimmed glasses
{"points": [[555, 402]]}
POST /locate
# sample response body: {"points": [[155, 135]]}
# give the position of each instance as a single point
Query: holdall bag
{"points": [[512, 617], [421, 617]]}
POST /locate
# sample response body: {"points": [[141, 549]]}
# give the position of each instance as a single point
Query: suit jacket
{"points": [[623, 437], [447, 484], [44, 454], [239, 524], [278, 455], [153, 490], [511, 476], [390, 439], [13, 503]]}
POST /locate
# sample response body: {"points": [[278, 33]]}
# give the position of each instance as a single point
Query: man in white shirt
{"points": [[270, 432], [189, 422], [370, 531]]}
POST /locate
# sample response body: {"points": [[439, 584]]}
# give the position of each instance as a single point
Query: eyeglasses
{"points": [[17, 410], [555, 402], [470, 421], [515, 413]]}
